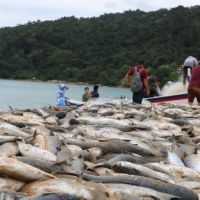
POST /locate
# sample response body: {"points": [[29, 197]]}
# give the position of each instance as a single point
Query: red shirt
{"points": [[143, 73], [195, 79]]}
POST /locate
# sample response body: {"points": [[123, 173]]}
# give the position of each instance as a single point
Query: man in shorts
{"points": [[189, 63], [194, 86]]}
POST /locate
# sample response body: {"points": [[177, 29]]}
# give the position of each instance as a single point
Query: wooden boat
{"points": [[161, 99]]}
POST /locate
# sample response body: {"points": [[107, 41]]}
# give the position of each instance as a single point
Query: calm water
{"points": [[27, 94]]}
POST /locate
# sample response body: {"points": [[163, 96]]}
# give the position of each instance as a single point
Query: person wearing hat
{"points": [[61, 98]]}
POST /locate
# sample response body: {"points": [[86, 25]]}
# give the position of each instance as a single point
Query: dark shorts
{"points": [[138, 96], [193, 92]]}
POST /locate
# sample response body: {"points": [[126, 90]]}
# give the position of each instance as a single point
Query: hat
{"points": [[62, 86]]}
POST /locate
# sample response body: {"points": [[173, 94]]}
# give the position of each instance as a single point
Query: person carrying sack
{"points": [[137, 78]]}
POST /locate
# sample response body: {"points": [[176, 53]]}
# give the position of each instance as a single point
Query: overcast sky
{"points": [[13, 12]]}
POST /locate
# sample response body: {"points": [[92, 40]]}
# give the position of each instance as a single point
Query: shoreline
{"points": [[65, 82]]}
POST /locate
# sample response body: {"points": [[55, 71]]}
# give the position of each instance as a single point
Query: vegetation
{"points": [[101, 49]]}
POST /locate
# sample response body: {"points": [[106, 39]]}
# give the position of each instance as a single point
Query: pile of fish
{"points": [[105, 152]]}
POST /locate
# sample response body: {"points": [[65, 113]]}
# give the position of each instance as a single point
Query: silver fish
{"points": [[193, 162], [8, 149], [66, 186], [35, 152], [131, 168], [8, 184], [13, 168], [174, 159], [52, 144], [52, 196], [64, 155]]}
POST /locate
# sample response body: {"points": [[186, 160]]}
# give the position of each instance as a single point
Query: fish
{"points": [[133, 113], [102, 171], [193, 161], [52, 196], [67, 121], [139, 191], [8, 184], [11, 130], [5, 139], [39, 141], [105, 112], [40, 112], [44, 165], [68, 186], [60, 114], [33, 118], [35, 152], [52, 144], [20, 171], [22, 121], [189, 184], [95, 152], [174, 159], [8, 149], [64, 155], [77, 166], [40, 130], [75, 150], [156, 185], [174, 170], [85, 155], [52, 120], [112, 146], [117, 158], [122, 196], [102, 121], [181, 122], [131, 168], [11, 196]]}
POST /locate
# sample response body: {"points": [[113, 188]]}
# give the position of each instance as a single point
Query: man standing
{"points": [[137, 77], [189, 63], [194, 86]]}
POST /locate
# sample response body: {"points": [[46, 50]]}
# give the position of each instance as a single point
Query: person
{"points": [[180, 69], [61, 98], [154, 87], [189, 63], [137, 78], [95, 92], [194, 86], [86, 95]]}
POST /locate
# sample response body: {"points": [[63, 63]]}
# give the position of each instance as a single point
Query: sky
{"points": [[15, 12]]}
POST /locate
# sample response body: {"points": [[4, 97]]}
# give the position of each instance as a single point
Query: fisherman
{"points": [[86, 95], [61, 98], [95, 92], [194, 86], [189, 63], [137, 78]]}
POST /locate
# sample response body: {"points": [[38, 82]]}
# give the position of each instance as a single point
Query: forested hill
{"points": [[100, 49]]}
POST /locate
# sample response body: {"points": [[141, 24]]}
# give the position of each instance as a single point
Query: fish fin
{"points": [[60, 162]]}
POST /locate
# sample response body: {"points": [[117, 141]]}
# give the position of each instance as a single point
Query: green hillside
{"points": [[101, 49]]}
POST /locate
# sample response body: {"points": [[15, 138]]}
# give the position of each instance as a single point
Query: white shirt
{"points": [[190, 62]]}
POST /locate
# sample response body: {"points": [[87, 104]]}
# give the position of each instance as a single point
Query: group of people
{"points": [[142, 86], [87, 94], [63, 100]]}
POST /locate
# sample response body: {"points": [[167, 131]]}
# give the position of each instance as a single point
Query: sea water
{"points": [[31, 94]]}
